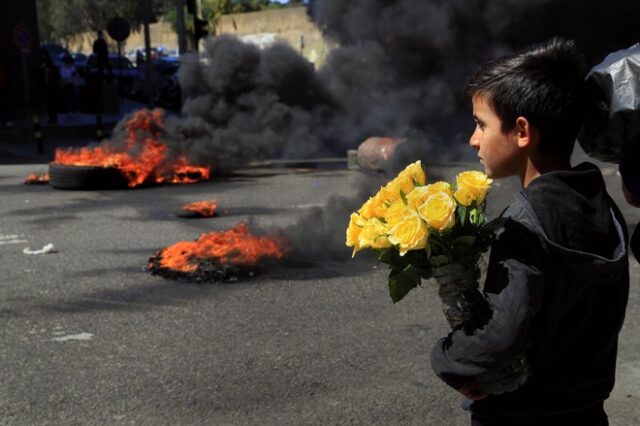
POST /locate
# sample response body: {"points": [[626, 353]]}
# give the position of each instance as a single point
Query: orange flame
{"points": [[141, 159], [234, 246], [205, 208], [35, 179]]}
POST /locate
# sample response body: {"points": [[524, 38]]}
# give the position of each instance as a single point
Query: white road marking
{"points": [[6, 242], [80, 336], [307, 206], [12, 239]]}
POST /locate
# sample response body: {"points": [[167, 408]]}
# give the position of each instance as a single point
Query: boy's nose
{"points": [[474, 140]]}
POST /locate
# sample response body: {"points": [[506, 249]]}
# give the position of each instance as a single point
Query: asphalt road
{"points": [[89, 337]]}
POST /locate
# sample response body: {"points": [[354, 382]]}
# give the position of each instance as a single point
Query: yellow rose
{"points": [[413, 175], [410, 233], [395, 213], [416, 173], [419, 195], [374, 235], [439, 211], [356, 223], [471, 186], [389, 193], [403, 182], [374, 207]]}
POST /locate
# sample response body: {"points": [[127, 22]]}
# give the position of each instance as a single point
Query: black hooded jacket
{"points": [[557, 287]]}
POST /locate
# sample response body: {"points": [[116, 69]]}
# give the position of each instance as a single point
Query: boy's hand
{"points": [[472, 392], [630, 197]]}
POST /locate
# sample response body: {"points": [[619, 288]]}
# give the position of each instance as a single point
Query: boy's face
{"points": [[498, 152]]}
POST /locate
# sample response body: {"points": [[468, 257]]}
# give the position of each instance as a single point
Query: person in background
{"points": [[69, 77], [49, 80], [3, 96], [101, 50]]}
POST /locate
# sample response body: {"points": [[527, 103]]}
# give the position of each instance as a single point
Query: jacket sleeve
{"points": [[495, 337]]}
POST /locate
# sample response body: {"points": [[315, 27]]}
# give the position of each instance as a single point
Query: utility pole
{"points": [[199, 25], [182, 39], [147, 50]]}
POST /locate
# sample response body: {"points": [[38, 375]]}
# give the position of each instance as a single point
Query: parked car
{"points": [[166, 85], [121, 69], [55, 51], [79, 61], [168, 92]]}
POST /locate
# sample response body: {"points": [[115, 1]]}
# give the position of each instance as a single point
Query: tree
{"points": [[212, 10], [58, 20]]}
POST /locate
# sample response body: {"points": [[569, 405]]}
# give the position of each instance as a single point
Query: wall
{"points": [[290, 25], [161, 35]]}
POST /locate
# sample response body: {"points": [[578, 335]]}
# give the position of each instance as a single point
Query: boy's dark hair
{"points": [[544, 84]]}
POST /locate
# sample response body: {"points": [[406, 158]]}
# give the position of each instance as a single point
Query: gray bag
{"points": [[614, 123]]}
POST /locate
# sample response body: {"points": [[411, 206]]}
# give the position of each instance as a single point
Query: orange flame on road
{"points": [[237, 246], [143, 156], [204, 208], [36, 179]]}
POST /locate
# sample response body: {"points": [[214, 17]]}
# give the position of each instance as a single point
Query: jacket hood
{"points": [[598, 236]]}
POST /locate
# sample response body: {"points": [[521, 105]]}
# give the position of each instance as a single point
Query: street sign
{"points": [[23, 37], [118, 29]]}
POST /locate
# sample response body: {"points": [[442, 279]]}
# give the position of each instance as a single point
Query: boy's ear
{"points": [[526, 135]]}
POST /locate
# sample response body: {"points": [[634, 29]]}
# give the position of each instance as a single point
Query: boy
{"points": [[558, 277]]}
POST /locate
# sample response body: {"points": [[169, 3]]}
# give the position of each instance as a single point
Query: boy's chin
{"points": [[487, 170]]}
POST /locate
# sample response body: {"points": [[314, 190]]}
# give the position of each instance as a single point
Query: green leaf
{"points": [[439, 260], [386, 255], [464, 241], [462, 214], [402, 281]]}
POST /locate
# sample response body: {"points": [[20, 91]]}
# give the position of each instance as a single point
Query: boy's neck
{"points": [[539, 165]]}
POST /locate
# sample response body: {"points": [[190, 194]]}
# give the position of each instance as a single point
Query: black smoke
{"points": [[399, 70]]}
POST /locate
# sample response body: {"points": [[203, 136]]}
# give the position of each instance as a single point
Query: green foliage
{"points": [[212, 10], [402, 281], [461, 245], [58, 20], [406, 271]]}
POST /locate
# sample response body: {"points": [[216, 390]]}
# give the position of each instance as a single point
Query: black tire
{"points": [[189, 214], [86, 177]]}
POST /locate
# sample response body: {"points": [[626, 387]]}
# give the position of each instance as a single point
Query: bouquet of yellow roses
{"points": [[419, 228], [437, 231]]}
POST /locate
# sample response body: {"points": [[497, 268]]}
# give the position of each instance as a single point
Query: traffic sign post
{"points": [[23, 39]]}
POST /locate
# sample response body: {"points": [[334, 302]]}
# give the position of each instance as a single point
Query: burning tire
{"points": [[224, 256], [207, 271], [86, 177]]}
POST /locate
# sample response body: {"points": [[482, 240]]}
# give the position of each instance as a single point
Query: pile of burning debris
{"points": [[219, 256], [196, 209], [140, 159]]}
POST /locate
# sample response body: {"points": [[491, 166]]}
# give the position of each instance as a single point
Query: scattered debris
{"points": [[199, 209], [37, 179], [49, 248]]}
